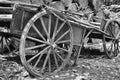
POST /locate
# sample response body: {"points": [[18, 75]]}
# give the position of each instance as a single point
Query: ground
{"points": [[90, 67]]}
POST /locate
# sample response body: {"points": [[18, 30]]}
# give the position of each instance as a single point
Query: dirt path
{"points": [[87, 69]]}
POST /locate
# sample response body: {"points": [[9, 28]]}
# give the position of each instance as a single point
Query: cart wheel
{"points": [[47, 39], [6, 45], [111, 43]]}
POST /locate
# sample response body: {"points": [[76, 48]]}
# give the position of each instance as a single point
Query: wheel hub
{"points": [[54, 45], [51, 43]]}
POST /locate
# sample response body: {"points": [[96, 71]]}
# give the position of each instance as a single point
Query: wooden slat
{"points": [[5, 17], [6, 8], [21, 3], [96, 23]]}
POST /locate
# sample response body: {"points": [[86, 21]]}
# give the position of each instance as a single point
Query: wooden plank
{"points": [[21, 3], [96, 23], [6, 8], [5, 17]]}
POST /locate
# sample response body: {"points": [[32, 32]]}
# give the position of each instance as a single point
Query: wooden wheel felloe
{"points": [[111, 42], [47, 39]]}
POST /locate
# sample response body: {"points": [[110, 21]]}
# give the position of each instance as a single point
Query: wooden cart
{"points": [[46, 38]]}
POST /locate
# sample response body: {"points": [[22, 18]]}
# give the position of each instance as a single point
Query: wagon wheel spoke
{"points": [[56, 61], [15, 46], [116, 30], [118, 46], [110, 30], [49, 64], [7, 45], [34, 47], [36, 40], [2, 42], [116, 49], [60, 56], [62, 49], [41, 52], [112, 46], [111, 52], [61, 26], [64, 34], [46, 59], [63, 41], [38, 60], [39, 33], [44, 27], [49, 29], [1, 37], [118, 35], [56, 24], [12, 43], [17, 39]]}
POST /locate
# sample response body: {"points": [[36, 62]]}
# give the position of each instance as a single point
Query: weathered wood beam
{"points": [[5, 17], [21, 3], [6, 8]]}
